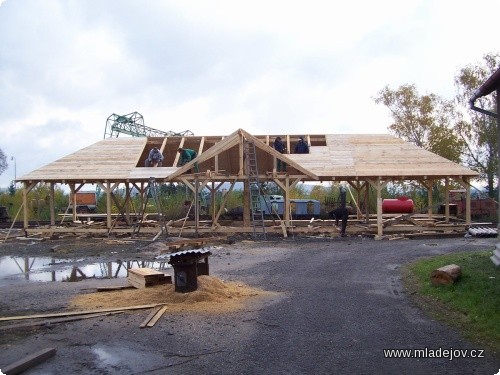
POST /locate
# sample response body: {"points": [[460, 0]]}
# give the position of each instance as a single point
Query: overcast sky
{"points": [[269, 67]]}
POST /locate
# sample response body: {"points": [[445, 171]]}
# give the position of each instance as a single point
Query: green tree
{"points": [[3, 161], [425, 120], [12, 189], [478, 131]]}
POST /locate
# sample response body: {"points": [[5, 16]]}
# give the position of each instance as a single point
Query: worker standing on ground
{"points": [[342, 212], [186, 155], [280, 147], [301, 147], [154, 159]]}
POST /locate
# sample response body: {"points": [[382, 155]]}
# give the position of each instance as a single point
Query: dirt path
{"points": [[333, 306]]}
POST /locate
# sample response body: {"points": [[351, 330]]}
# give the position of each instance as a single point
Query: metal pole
{"points": [[498, 150], [196, 207], [15, 168]]}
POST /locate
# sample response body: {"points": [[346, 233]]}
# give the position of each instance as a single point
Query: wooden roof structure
{"points": [[361, 160], [340, 157]]}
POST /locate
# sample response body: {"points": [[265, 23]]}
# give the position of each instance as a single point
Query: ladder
{"points": [[256, 212], [152, 190]]}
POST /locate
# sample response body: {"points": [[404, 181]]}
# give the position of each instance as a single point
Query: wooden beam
{"points": [[178, 155], [73, 313], [468, 213], [241, 160], [163, 144], [29, 361], [429, 198], [150, 316], [156, 317], [52, 204], [223, 203], [447, 199], [200, 147], [270, 150], [221, 146], [379, 185], [286, 214]]}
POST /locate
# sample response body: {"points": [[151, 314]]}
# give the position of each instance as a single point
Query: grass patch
{"points": [[472, 304]]}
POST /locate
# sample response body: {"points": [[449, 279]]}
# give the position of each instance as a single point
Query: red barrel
{"points": [[402, 205]]}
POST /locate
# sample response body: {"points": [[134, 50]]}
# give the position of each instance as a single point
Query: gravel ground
{"points": [[339, 303]]}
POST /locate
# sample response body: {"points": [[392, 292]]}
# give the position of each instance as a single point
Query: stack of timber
{"points": [[191, 242], [146, 277]]}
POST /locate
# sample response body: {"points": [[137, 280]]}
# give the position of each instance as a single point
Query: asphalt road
{"points": [[341, 304]]}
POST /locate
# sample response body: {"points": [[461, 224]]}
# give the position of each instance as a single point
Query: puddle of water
{"points": [[16, 269], [125, 360]]}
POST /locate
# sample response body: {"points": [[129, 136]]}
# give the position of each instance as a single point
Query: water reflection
{"points": [[53, 269]]}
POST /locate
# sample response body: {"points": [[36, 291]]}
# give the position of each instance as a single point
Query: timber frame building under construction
{"points": [[361, 160]]}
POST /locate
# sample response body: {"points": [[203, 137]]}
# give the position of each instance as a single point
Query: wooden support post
{"points": [[367, 205], [212, 200], [379, 211], [196, 207], [429, 198], [379, 185], [286, 214], [246, 204], [241, 160], [128, 201], [52, 203], [25, 203], [468, 213], [108, 205], [465, 182], [447, 199], [73, 201]]}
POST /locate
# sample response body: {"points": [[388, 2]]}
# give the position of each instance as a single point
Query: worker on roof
{"points": [[154, 159], [280, 147], [186, 155], [301, 147]]}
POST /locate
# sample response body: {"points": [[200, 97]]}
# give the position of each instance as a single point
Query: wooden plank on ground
{"points": [[157, 317], [150, 316], [29, 361], [72, 313], [58, 320], [114, 288]]}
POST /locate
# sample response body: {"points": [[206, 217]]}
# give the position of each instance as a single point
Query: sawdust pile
{"points": [[212, 296]]}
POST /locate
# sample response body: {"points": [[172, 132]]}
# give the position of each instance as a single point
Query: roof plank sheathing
{"points": [[331, 157]]}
